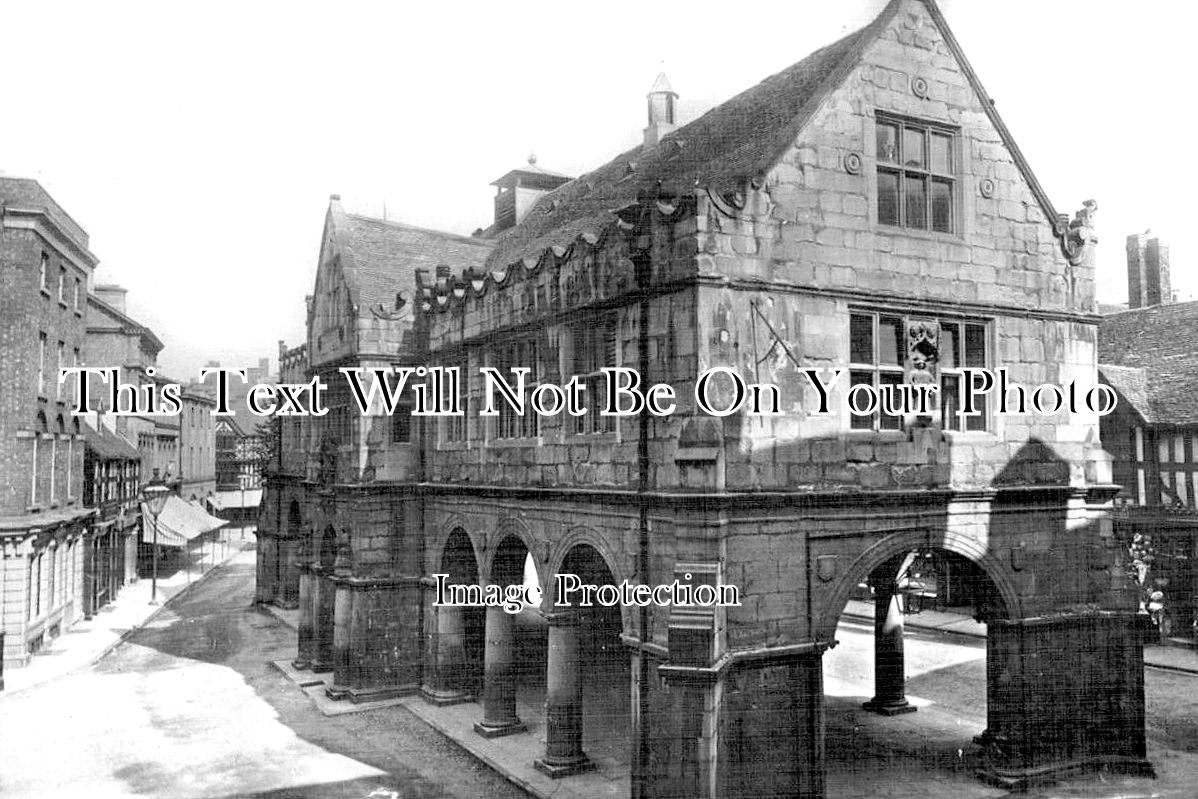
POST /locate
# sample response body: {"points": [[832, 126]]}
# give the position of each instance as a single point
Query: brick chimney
{"points": [[112, 294], [1147, 271], [662, 120]]}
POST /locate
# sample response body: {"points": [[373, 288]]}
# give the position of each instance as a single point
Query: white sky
{"points": [[198, 143]]}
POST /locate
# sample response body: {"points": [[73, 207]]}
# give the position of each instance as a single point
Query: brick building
{"points": [[111, 485], [864, 209], [45, 268], [1149, 355]]}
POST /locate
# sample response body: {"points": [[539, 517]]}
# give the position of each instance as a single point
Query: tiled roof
{"points": [[1132, 384], [1163, 341], [386, 256], [108, 445], [738, 139]]}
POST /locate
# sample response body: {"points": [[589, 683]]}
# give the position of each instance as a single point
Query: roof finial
{"points": [[532, 159]]}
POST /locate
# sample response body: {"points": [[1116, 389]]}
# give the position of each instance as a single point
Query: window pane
{"points": [[949, 333], [861, 422], [861, 339], [977, 422], [913, 154], [942, 154], [915, 189], [975, 346], [887, 143], [942, 206], [888, 421], [890, 341], [888, 198], [950, 400]]}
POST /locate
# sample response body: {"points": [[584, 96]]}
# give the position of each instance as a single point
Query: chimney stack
{"points": [[662, 100], [1147, 271], [113, 295]]}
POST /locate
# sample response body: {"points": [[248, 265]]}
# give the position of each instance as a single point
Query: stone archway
{"points": [[457, 638], [588, 672], [505, 656]]}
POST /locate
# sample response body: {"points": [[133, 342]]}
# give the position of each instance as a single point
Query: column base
{"points": [[337, 692], [320, 665], [889, 707], [487, 730], [1019, 779], [301, 665], [443, 698], [361, 696], [556, 769]]}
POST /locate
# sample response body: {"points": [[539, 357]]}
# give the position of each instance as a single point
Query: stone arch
{"points": [[508, 527], [441, 533], [324, 554], [590, 537], [580, 534], [458, 544], [898, 542]]}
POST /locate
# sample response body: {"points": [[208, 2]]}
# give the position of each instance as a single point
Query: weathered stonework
{"points": [[708, 258]]}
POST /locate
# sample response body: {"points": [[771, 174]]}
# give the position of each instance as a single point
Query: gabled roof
{"points": [[379, 258], [743, 138], [1162, 341], [108, 445]]}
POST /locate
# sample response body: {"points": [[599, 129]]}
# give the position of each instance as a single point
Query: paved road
{"points": [[928, 753], [189, 707]]}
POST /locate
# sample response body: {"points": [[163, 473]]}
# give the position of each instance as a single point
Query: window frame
{"points": [[927, 173], [510, 427], [604, 330], [950, 421]]}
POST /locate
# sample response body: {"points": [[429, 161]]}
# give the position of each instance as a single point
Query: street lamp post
{"points": [[154, 495]]}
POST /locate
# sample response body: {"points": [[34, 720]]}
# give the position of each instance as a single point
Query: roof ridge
{"points": [[465, 238]]}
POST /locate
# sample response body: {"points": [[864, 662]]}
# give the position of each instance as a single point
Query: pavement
{"points": [[190, 707], [91, 639], [1174, 657]]}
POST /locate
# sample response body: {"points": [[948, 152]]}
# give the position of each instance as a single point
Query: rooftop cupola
{"points": [[662, 99], [518, 191]]}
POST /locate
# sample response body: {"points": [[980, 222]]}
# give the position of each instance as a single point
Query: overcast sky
{"points": [[198, 143]]}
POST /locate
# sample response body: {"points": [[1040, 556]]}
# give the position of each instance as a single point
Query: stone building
{"points": [[197, 445], [864, 210], [45, 268], [1149, 355]]}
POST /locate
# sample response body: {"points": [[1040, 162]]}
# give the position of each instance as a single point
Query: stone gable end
{"points": [[823, 192]]}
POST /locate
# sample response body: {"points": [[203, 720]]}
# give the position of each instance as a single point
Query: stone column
{"points": [[890, 679], [499, 678], [445, 680], [307, 619], [288, 596], [563, 699], [322, 631], [342, 661]]}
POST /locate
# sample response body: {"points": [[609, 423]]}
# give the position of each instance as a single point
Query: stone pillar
{"points": [[307, 619], [1064, 693], [343, 663], [890, 679], [325, 595], [287, 596], [563, 699], [445, 680], [499, 677]]}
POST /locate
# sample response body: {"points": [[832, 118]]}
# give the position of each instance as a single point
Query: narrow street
{"points": [[190, 707]]}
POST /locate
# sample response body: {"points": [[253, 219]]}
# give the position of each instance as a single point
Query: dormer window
{"points": [[916, 175]]}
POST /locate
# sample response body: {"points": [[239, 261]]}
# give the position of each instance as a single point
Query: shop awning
{"points": [[178, 523], [250, 498]]}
